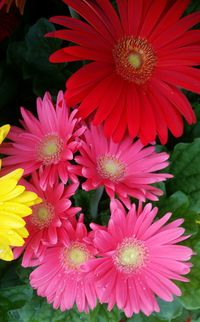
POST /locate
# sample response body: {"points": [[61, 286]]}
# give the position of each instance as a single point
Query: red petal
{"points": [[74, 53], [133, 111], [92, 100], [147, 125], [183, 76], [134, 16], [152, 17], [191, 37], [121, 127], [88, 11], [76, 95], [123, 12], [114, 118], [83, 39], [73, 23], [161, 125], [189, 55], [173, 119], [110, 98], [176, 31], [170, 18], [113, 20], [178, 99], [89, 74]]}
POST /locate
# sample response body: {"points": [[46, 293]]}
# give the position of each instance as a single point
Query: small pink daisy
{"points": [[125, 168], [60, 278], [139, 259], [47, 144], [47, 219]]}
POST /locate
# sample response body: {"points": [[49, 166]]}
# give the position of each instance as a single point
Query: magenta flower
{"points": [[59, 277], [47, 143], [140, 258], [45, 224], [125, 168]]}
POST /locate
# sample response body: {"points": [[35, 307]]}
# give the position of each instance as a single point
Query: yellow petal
{"points": [[4, 131], [10, 220], [3, 237], [16, 175], [6, 253], [18, 190], [15, 239], [16, 208], [7, 186], [29, 198], [23, 232]]}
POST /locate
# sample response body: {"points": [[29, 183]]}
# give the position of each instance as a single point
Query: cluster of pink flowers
{"points": [[142, 54], [127, 263]]}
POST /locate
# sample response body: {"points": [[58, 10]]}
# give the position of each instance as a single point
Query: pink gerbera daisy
{"points": [[140, 258], [125, 168], [142, 54], [46, 222], [59, 277], [47, 144]]}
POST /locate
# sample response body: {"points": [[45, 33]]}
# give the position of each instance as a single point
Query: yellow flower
{"points": [[15, 203]]}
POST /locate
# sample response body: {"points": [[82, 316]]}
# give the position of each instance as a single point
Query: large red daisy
{"points": [[143, 54]]}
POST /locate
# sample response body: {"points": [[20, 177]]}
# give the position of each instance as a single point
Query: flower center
{"points": [[49, 149], [75, 255], [130, 255], [42, 215], [110, 167], [135, 59]]}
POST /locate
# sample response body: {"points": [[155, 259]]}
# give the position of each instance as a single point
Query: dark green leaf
{"points": [[185, 166]]}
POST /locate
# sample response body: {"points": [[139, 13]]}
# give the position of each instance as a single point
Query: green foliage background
{"points": [[26, 73]]}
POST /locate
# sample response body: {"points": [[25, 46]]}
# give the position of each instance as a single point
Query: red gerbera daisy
{"points": [[142, 55]]}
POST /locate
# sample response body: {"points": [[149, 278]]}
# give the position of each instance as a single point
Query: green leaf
{"points": [[94, 203], [142, 318], [179, 205], [169, 311], [14, 297], [31, 58], [101, 314], [191, 291], [38, 310], [185, 167], [176, 202], [194, 130]]}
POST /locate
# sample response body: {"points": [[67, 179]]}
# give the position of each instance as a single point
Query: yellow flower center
{"points": [[42, 215], [130, 255], [110, 167], [75, 255], [134, 59], [49, 149]]}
